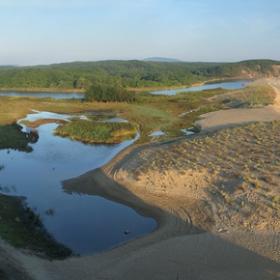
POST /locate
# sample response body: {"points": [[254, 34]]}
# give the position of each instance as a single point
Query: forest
{"points": [[132, 74]]}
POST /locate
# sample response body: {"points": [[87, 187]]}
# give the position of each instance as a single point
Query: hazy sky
{"points": [[52, 31]]}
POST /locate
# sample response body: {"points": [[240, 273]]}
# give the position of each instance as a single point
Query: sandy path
{"points": [[188, 242], [220, 119]]}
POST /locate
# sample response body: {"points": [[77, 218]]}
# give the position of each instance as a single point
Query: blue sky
{"points": [[52, 31]]}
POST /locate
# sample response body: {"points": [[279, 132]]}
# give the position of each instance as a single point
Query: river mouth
{"points": [[86, 224]]}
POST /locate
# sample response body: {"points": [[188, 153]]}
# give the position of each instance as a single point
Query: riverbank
{"points": [[184, 86], [54, 90], [213, 205]]}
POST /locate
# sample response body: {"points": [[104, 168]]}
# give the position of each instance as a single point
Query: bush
{"points": [[103, 93]]}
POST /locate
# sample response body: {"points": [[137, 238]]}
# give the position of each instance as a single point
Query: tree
{"points": [[82, 83], [109, 93]]}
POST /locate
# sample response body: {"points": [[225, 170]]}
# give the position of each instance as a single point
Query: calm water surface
{"points": [[227, 85], [87, 224], [55, 95]]}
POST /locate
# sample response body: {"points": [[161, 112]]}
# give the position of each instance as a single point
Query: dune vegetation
{"points": [[239, 174]]}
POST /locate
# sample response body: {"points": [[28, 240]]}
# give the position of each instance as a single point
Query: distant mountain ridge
{"points": [[162, 59]]}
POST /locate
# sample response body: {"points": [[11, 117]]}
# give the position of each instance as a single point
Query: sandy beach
{"points": [[213, 222]]}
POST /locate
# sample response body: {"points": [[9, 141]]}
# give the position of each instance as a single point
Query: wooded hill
{"points": [[129, 74]]}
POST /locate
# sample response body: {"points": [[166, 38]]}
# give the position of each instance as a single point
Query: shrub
{"points": [[103, 93]]}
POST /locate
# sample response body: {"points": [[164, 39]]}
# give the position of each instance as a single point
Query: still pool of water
{"points": [[226, 85], [55, 95], [87, 224]]}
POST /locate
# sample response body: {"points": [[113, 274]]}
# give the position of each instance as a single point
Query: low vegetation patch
{"points": [[242, 167], [11, 137], [100, 117], [150, 112], [22, 227], [249, 97], [97, 132]]}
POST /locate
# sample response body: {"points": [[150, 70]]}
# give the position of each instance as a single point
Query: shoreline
{"points": [[195, 238], [189, 86], [55, 90]]}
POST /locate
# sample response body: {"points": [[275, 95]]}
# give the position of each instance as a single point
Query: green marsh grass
{"points": [[150, 112], [97, 132], [11, 137], [22, 227]]}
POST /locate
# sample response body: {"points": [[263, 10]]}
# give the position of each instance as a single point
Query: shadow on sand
{"points": [[181, 247]]}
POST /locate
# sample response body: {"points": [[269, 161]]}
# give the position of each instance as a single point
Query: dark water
{"points": [[87, 224], [226, 85]]}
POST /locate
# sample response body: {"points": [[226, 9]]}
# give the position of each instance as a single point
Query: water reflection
{"points": [[85, 223], [37, 115], [32, 136], [55, 95], [157, 133], [13, 137], [222, 84]]}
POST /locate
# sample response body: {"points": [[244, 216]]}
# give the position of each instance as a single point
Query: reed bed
{"points": [[97, 132]]}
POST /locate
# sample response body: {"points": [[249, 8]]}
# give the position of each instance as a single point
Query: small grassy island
{"points": [[97, 132]]}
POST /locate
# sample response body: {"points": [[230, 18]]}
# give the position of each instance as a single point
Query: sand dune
{"points": [[194, 239]]}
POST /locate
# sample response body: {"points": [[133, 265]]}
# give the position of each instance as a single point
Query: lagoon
{"points": [[87, 224]]}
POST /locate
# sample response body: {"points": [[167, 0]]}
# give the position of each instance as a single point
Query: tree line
{"points": [[125, 74]]}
